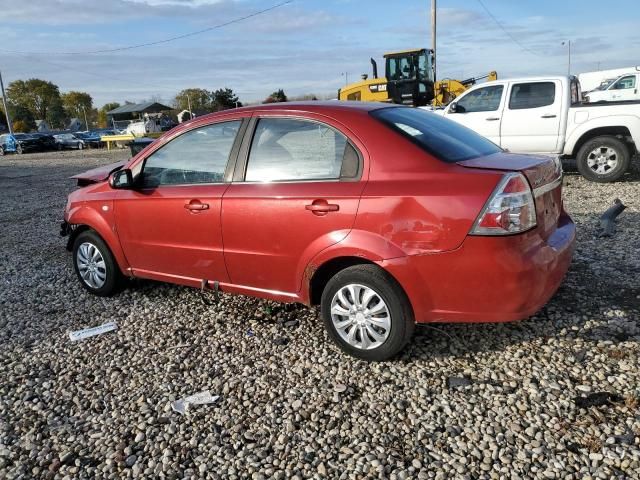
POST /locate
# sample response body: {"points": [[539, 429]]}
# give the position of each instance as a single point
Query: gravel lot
{"points": [[298, 408]]}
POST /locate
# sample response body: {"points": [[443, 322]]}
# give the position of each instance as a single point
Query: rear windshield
{"points": [[439, 136]]}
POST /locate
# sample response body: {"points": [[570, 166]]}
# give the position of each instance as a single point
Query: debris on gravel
{"points": [[101, 408]]}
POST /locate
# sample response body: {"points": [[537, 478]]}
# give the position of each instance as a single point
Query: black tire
{"points": [[386, 287], [603, 142], [113, 276], [1, 151], [59, 146], [80, 146]]}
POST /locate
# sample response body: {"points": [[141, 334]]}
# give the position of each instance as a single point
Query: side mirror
{"points": [[453, 108], [121, 179]]}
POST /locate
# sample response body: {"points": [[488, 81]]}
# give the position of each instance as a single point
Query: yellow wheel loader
{"points": [[408, 80]]}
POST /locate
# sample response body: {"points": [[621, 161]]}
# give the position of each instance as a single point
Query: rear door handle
{"points": [[548, 115], [492, 119], [196, 206], [322, 207]]}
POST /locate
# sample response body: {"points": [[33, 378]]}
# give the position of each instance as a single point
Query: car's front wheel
{"points": [[1, 151], [19, 150], [367, 313], [80, 146], [95, 265]]}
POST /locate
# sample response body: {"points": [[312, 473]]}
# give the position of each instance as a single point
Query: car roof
{"points": [[327, 107]]}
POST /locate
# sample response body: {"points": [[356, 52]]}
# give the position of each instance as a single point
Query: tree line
{"points": [[36, 99]]}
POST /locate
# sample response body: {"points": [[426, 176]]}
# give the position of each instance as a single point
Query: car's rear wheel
{"points": [[367, 313], [603, 159], [95, 265]]}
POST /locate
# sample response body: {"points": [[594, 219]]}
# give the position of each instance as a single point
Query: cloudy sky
{"points": [[304, 47]]}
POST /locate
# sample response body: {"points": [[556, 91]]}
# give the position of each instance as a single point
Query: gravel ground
{"points": [[466, 401]]}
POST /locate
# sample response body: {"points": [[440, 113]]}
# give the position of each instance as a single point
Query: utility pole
{"points": [[86, 124], [4, 103], [433, 35], [568, 42], [189, 105]]}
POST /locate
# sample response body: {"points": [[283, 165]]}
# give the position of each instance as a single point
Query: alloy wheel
{"points": [[602, 160], [91, 265], [360, 316]]}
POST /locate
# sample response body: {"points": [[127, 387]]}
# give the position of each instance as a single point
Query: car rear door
{"points": [[296, 193], [169, 225], [531, 117], [480, 110]]}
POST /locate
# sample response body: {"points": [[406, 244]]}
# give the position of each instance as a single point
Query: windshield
{"points": [[443, 138]]}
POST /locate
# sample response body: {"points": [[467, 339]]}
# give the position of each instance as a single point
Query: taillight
{"points": [[510, 209]]}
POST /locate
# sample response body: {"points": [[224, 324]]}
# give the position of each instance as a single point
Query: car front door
{"points": [[298, 194], [169, 225], [480, 110], [625, 88], [531, 117]]}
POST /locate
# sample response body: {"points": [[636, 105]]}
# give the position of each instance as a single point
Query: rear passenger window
{"points": [[291, 149], [532, 95]]}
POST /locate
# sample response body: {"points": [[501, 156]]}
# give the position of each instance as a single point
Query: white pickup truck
{"points": [[545, 115]]}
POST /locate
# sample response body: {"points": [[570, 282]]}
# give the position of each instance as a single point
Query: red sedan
{"points": [[383, 215]]}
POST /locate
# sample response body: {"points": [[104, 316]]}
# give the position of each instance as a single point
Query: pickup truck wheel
{"points": [[603, 159], [366, 313], [95, 265]]}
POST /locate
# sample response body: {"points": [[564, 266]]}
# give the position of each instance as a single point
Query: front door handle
{"points": [[196, 206], [492, 119], [322, 207], [548, 115]]}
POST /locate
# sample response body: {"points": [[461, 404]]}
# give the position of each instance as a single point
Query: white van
{"points": [[623, 88]]}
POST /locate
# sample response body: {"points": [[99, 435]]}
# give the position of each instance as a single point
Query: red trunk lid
{"points": [[545, 178]]}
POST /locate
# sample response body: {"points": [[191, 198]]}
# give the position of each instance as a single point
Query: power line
{"points": [[515, 40], [160, 42]]}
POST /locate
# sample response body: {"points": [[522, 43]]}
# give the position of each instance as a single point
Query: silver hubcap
{"points": [[602, 160], [91, 265], [360, 316]]}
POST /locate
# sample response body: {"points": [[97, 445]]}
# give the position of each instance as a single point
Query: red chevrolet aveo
{"points": [[383, 215]]}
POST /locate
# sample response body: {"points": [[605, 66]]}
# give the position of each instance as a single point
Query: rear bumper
{"points": [[487, 279]]}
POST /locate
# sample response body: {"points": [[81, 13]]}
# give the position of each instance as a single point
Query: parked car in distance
{"points": [[621, 89], [8, 144], [545, 115], [26, 143], [69, 140], [382, 215], [45, 141], [90, 139]]}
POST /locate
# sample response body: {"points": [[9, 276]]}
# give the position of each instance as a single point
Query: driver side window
{"points": [[625, 82], [197, 156], [486, 99]]}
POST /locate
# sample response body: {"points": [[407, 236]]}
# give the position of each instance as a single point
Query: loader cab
{"points": [[409, 77]]}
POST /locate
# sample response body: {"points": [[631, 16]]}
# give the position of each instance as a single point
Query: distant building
{"points": [[42, 126], [74, 125], [134, 111]]}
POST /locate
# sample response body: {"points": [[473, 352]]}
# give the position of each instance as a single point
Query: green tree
{"points": [[20, 127], [224, 98], [199, 98], [101, 115], [22, 114], [276, 97], [77, 103], [34, 94], [57, 116]]}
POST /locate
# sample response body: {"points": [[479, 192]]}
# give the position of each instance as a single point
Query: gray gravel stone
{"points": [[100, 408]]}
